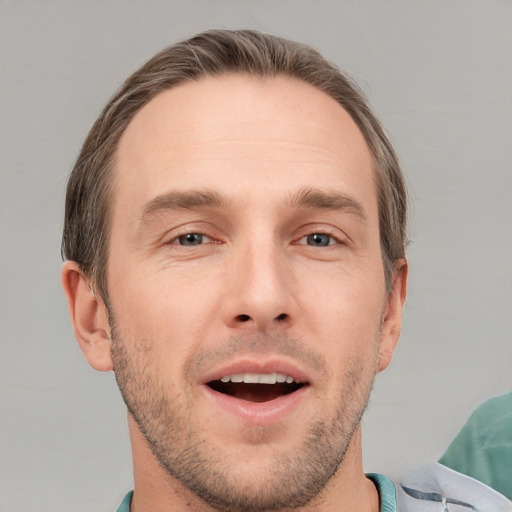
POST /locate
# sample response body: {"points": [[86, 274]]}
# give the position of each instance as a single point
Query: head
{"points": [[216, 53], [241, 214]]}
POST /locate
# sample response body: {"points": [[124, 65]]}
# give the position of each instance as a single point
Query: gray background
{"points": [[438, 73]]}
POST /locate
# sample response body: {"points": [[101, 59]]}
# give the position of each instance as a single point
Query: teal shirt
{"points": [[125, 505], [385, 487], [386, 490]]}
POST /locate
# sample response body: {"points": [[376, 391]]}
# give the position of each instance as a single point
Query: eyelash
{"points": [[202, 233], [332, 240], [177, 240], [310, 237]]}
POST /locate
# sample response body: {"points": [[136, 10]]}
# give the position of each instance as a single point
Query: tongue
{"points": [[253, 392]]}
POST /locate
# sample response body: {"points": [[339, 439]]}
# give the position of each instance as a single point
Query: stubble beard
{"points": [[290, 481]]}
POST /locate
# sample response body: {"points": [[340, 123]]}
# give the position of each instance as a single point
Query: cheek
{"points": [[343, 313], [169, 309], [350, 300]]}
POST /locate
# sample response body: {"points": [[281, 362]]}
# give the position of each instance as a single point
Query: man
{"points": [[234, 236]]}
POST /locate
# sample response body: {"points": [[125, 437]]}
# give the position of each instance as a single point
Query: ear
{"points": [[89, 317], [392, 314]]}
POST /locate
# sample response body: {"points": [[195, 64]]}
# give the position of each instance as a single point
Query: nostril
{"points": [[281, 317], [244, 318]]}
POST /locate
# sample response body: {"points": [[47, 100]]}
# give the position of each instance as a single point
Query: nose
{"points": [[259, 292]]}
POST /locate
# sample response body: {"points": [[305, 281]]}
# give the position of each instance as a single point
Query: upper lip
{"points": [[259, 367]]}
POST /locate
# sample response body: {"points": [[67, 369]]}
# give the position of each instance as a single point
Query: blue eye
{"points": [[319, 240], [190, 239]]}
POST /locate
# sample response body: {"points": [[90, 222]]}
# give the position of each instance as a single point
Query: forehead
{"points": [[238, 133]]}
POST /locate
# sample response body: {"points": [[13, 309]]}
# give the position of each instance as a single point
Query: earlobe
{"points": [[88, 316], [392, 315]]}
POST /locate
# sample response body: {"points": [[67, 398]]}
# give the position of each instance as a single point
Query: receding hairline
{"points": [[287, 92], [244, 79]]}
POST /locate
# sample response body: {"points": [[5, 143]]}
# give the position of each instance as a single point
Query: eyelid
{"points": [[205, 238], [172, 237], [335, 233], [332, 241]]}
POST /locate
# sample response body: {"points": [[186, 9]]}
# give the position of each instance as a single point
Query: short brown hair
{"points": [[214, 53]]}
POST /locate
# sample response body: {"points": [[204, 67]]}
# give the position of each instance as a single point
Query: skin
{"points": [[282, 162]]}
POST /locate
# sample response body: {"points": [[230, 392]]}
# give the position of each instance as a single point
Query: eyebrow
{"points": [[182, 201], [319, 199], [308, 197]]}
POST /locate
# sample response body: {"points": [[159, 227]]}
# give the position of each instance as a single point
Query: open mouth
{"points": [[256, 387]]}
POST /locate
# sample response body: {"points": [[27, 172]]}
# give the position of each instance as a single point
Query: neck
{"points": [[154, 489]]}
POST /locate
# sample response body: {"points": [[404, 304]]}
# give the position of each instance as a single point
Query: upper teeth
{"points": [[258, 378]]}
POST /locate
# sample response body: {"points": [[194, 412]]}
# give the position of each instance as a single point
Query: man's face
{"points": [[245, 247]]}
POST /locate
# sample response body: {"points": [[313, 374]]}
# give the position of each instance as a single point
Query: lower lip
{"points": [[258, 413]]}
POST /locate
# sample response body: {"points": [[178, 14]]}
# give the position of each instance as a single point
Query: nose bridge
{"points": [[260, 293]]}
